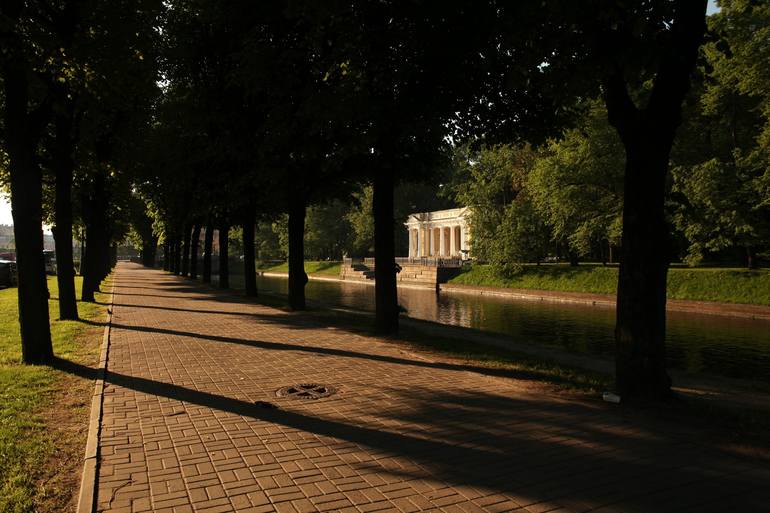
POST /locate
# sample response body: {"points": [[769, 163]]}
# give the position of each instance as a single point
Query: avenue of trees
{"points": [[168, 120]]}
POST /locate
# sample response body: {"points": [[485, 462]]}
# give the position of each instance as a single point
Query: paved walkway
{"points": [[181, 430]]}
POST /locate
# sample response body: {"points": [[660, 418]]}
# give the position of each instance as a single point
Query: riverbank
{"points": [[312, 267], [44, 409], [719, 285]]}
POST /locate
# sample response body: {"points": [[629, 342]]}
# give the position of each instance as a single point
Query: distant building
{"points": [[439, 234]]}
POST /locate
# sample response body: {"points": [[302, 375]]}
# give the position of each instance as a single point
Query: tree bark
{"points": [[640, 332], [751, 262], [208, 243], [224, 263], [186, 234], [196, 236], [22, 133], [249, 266], [149, 250], [96, 257], [647, 135], [166, 256], [385, 292], [297, 277], [171, 255], [64, 166], [177, 255]]}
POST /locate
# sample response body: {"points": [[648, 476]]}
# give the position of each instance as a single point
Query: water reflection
{"points": [[695, 343]]}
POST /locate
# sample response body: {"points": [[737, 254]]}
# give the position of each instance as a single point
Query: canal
{"points": [[695, 343]]}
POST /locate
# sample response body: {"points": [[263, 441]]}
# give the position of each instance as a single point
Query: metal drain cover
{"points": [[306, 391]]}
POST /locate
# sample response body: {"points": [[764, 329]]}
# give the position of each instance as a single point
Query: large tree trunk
{"points": [[21, 137], [96, 257], [224, 263], [208, 243], [196, 236], [186, 250], [297, 276], [249, 269], [648, 134], [64, 166], [640, 332], [385, 292]]}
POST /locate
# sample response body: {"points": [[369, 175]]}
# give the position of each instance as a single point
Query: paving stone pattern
{"points": [[181, 431]]}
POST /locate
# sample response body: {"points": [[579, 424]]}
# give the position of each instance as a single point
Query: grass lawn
{"points": [[323, 268], [44, 411], [706, 284]]}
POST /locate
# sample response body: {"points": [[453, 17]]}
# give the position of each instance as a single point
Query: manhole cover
{"points": [[306, 391]]}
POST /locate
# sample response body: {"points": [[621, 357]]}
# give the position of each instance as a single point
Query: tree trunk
{"points": [[297, 276], [648, 135], [385, 292], [640, 332], [113, 261], [208, 243], [177, 255], [64, 166], [171, 255], [751, 262], [166, 256], [21, 139], [196, 236], [149, 249], [574, 259], [186, 250], [224, 264], [96, 256], [249, 269]]}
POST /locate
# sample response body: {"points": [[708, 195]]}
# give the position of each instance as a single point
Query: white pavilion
{"points": [[439, 234]]}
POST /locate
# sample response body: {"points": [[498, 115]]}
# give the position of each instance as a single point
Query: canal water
{"points": [[695, 343]]}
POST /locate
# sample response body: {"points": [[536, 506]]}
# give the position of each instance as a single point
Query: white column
{"points": [[451, 241], [441, 241]]}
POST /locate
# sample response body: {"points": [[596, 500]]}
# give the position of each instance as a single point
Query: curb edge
{"points": [[87, 494]]}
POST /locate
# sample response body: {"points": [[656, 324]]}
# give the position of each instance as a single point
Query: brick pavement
{"points": [[181, 431]]}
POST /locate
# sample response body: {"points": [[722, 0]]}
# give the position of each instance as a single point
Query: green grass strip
{"points": [[25, 390]]}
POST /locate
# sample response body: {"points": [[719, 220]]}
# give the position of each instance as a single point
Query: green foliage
{"points": [[362, 223], [272, 239], [506, 229], [327, 231], [577, 184], [26, 390], [720, 183]]}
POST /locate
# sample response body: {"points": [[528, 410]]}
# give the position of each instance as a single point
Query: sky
{"points": [[5, 206]]}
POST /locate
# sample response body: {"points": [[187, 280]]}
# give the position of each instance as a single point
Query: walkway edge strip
{"points": [[87, 495]]}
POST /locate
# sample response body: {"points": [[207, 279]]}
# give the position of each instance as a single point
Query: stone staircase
{"points": [[418, 274], [357, 272]]}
